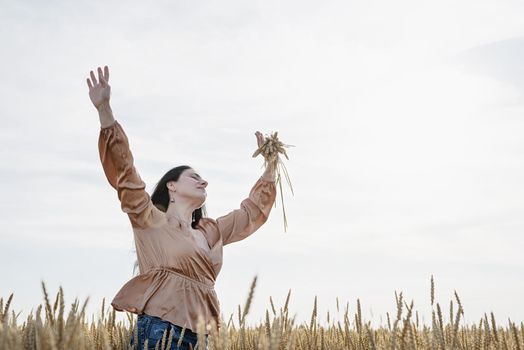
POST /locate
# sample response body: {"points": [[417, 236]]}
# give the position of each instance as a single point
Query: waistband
{"points": [[206, 284]]}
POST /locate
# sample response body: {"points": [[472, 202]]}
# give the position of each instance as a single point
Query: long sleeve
{"points": [[117, 162], [253, 212]]}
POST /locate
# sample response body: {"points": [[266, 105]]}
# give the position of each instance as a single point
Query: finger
{"points": [[89, 84], [106, 73], [100, 75], [93, 79]]}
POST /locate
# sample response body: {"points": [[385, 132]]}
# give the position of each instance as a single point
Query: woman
{"points": [[179, 250]]}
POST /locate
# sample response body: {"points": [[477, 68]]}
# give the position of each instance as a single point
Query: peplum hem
{"points": [[172, 296]]}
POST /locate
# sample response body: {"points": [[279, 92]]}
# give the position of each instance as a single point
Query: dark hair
{"points": [[160, 197]]}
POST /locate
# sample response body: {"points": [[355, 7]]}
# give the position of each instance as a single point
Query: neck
{"points": [[182, 210]]}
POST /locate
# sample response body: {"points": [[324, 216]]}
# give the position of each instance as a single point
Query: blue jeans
{"points": [[152, 328]]}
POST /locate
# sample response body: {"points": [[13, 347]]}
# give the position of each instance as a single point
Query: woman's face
{"points": [[189, 185]]}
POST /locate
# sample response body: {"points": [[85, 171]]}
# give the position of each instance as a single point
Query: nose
{"points": [[204, 183]]}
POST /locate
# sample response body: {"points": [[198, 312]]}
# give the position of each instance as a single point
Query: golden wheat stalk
{"points": [[271, 149], [277, 333]]}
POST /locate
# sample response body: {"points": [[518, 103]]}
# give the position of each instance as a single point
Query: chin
{"points": [[202, 202]]}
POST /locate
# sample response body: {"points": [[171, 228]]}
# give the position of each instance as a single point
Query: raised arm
{"points": [[117, 160], [253, 212]]}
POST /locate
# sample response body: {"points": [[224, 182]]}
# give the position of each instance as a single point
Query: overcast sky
{"points": [[407, 117]]}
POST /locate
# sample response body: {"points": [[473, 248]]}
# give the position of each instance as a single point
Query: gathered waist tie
{"points": [[207, 284]]}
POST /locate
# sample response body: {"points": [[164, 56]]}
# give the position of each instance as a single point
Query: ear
{"points": [[171, 185]]}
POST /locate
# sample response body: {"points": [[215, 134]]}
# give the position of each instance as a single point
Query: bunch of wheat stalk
{"points": [[52, 328], [270, 150]]}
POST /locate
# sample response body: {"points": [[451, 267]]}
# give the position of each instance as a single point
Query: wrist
{"points": [[268, 177], [106, 115], [103, 107], [269, 173]]}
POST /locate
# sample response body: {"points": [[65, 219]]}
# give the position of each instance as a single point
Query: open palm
{"points": [[99, 91]]}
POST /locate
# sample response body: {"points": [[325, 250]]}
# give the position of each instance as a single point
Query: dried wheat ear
{"points": [[271, 149]]}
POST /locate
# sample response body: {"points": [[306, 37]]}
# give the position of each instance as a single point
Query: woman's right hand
{"points": [[100, 91]]}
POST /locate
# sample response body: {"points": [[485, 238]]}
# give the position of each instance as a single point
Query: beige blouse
{"points": [[178, 265]]}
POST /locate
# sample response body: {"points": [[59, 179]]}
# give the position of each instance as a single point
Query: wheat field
{"points": [[51, 328]]}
